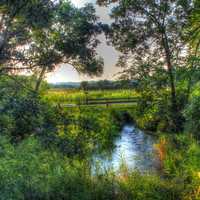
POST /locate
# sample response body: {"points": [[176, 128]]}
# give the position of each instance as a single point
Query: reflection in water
{"points": [[133, 147]]}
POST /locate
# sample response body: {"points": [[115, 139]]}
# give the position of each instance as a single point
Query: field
{"points": [[134, 137], [56, 157], [77, 96]]}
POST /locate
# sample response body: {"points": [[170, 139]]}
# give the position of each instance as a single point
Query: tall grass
{"points": [[75, 95], [30, 172]]}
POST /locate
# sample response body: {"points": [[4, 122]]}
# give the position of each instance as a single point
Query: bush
{"points": [[182, 163], [80, 131], [76, 131], [30, 172], [21, 108], [192, 113], [152, 112]]}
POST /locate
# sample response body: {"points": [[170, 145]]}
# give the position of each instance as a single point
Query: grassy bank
{"points": [[46, 154], [29, 171]]}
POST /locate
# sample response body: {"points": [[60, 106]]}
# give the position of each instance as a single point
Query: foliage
{"points": [[76, 96], [149, 35], [18, 21], [108, 85], [193, 31], [47, 149], [28, 171], [182, 162], [75, 131], [53, 160], [21, 112], [192, 113], [79, 132], [152, 111], [57, 35]]}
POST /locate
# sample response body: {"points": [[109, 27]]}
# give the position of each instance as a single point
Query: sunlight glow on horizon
{"points": [[80, 3], [64, 73]]}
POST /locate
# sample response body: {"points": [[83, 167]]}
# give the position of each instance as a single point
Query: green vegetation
{"points": [[77, 96], [47, 148], [38, 173], [51, 158]]}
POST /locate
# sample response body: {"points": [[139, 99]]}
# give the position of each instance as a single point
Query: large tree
{"points": [[72, 39], [192, 36], [151, 27], [18, 18], [40, 35], [194, 26]]}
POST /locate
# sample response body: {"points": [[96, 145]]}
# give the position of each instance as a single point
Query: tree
{"points": [[84, 85], [18, 19], [192, 37], [58, 33], [71, 39], [193, 31], [142, 28]]}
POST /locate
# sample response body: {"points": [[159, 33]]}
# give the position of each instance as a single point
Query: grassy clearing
{"points": [[75, 95], [51, 157], [29, 171]]}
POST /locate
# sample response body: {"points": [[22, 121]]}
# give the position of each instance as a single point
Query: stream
{"points": [[133, 147]]}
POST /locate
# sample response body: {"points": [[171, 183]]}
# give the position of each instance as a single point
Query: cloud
{"points": [[63, 73], [80, 3]]}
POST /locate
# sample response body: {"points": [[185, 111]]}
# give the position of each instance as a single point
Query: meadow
{"points": [[77, 95], [47, 154], [49, 138]]}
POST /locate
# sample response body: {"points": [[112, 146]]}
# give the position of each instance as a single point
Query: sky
{"points": [[66, 73]]}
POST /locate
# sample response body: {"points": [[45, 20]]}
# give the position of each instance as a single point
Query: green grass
{"points": [[76, 96], [29, 171]]}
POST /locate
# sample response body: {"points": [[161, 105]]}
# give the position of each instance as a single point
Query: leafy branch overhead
{"points": [[149, 34], [40, 35]]}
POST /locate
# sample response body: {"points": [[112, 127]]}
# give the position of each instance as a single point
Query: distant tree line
{"points": [[107, 84], [97, 85]]}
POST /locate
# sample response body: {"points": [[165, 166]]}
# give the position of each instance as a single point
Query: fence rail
{"points": [[103, 101], [112, 99], [107, 102]]}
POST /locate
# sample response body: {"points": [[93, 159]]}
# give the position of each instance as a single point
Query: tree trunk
{"points": [[39, 81], [174, 108], [4, 37], [192, 70]]}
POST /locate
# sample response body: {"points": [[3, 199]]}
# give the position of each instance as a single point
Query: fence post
{"points": [[86, 97]]}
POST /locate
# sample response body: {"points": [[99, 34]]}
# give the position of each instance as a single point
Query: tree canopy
{"points": [[194, 26], [40, 35], [149, 34]]}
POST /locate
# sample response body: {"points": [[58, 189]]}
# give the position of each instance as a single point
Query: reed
{"points": [[161, 151]]}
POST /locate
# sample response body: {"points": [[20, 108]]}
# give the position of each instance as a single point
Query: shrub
{"points": [[30, 172], [82, 131], [191, 113], [182, 163]]}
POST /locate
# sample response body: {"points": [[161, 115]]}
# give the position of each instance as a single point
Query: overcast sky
{"points": [[66, 73]]}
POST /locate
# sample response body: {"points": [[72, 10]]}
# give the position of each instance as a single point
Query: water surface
{"points": [[133, 147]]}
